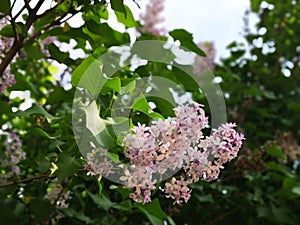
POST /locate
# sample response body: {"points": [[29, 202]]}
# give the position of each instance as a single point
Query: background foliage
{"points": [[50, 186]]}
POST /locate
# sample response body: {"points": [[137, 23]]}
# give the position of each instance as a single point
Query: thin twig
{"points": [[16, 182], [224, 215]]}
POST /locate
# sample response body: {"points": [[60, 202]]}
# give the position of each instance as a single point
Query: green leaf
{"points": [[40, 209], [205, 198], [105, 34], [164, 107], [102, 201], [141, 104], [33, 50], [58, 55], [36, 109], [255, 5], [67, 165], [296, 189], [72, 213], [126, 18], [7, 31], [89, 75], [154, 212], [276, 151], [80, 70], [186, 40], [283, 214], [128, 88], [43, 165], [111, 84], [118, 5], [281, 169], [42, 133], [124, 192], [5, 7]]}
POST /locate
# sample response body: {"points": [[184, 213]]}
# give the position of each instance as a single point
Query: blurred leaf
{"points": [[280, 168], [141, 104], [67, 165], [186, 40], [102, 201], [7, 31], [118, 5], [5, 7], [58, 55], [40, 209], [77, 214], [36, 109], [43, 165], [111, 84], [154, 212], [255, 5], [205, 198], [126, 18], [89, 75], [283, 215], [33, 51], [276, 151]]}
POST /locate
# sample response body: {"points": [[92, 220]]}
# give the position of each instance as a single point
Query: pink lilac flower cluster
{"points": [[98, 163], [13, 154], [58, 196], [7, 79], [203, 63], [171, 145], [151, 18]]}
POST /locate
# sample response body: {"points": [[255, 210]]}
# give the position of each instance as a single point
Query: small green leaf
{"points": [[296, 189], [255, 5], [111, 84], [205, 198], [281, 169], [67, 165], [276, 151], [283, 214], [118, 5], [102, 201], [126, 18], [141, 104], [33, 50], [7, 31], [154, 212], [43, 165], [89, 75], [36, 109], [186, 40], [41, 132], [56, 54], [5, 7], [72, 213]]}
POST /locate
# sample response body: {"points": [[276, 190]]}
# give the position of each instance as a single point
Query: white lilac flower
{"points": [[177, 190]]}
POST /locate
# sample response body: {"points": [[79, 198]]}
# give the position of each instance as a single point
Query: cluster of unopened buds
{"points": [[174, 146]]}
